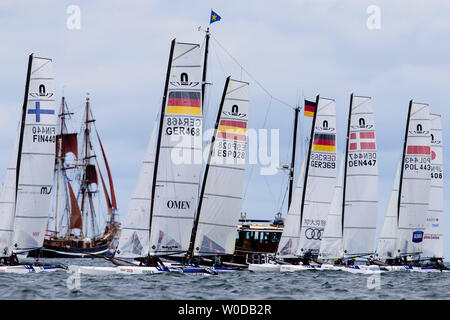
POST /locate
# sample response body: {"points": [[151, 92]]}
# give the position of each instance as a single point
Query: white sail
{"points": [[388, 235], [361, 181], [331, 246], [415, 182], [36, 158], [222, 198], [7, 204], [433, 236], [134, 237], [179, 162], [321, 177], [287, 248]]}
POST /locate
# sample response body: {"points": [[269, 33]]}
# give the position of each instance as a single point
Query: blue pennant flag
{"points": [[214, 17]]}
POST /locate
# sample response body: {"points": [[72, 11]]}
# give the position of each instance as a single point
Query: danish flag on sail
{"points": [[364, 140]]}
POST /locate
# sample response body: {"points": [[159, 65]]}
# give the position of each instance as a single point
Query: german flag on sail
{"points": [[232, 130], [184, 102], [310, 107], [324, 142]]}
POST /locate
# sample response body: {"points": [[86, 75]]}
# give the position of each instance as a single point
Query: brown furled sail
{"points": [[105, 191], [75, 214], [111, 185], [91, 174], [69, 144]]}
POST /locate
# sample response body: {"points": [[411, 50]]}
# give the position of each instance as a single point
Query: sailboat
{"points": [[162, 210], [219, 208], [26, 189], [351, 228], [309, 211], [433, 235], [402, 236], [73, 230]]}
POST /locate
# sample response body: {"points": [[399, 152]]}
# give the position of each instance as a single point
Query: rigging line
{"points": [[253, 78], [253, 166], [284, 197]]}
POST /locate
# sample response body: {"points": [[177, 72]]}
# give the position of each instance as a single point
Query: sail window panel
{"points": [[220, 224], [358, 242], [31, 216], [170, 170], [41, 68], [224, 182], [322, 189], [133, 243], [413, 193], [34, 168], [170, 235], [144, 184], [361, 188], [412, 216]]}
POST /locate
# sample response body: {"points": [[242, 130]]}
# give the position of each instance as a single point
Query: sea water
{"points": [[225, 286]]}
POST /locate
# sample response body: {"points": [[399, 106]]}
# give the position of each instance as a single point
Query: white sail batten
{"points": [[388, 235], [179, 163], [7, 204], [361, 181], [288, 246], [36, 158], [331, 246], [134, 237], [223, 190], [321, 178], [433, 236], [415, 182]]}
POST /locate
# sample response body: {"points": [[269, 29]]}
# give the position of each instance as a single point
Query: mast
{"points": [[311, 138], [205, 176], [22, 123], [291, 169], [344, 184], [205, 63], [59, 165], [161, 123], [205, 60], [85, 182], [403, 162]]}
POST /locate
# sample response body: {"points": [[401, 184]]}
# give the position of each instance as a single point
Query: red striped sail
{"points": [[420, 150]]}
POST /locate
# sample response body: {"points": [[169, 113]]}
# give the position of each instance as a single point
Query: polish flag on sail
{"points": [[421, 150], [364, 140]]}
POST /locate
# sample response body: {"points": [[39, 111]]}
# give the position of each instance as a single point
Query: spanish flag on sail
{"points": [[324, 142], [310, 107], [232, 130], [184, 102]]}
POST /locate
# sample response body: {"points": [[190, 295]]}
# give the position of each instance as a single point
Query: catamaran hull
{"points": [[329, 267], [130, 270], [293, 268], [29, 269], [372, 269], [264, 267]]}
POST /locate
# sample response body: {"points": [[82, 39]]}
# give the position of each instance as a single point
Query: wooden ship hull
{"points": [[78, 248]]}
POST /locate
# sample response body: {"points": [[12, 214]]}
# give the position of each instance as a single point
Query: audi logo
{"points": [[313, 234]]}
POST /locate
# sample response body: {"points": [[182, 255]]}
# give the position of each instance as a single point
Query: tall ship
{"points": [[83, 216]]}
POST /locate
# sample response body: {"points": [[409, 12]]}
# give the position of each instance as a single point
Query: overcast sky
{"points": [[291, 48]]}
